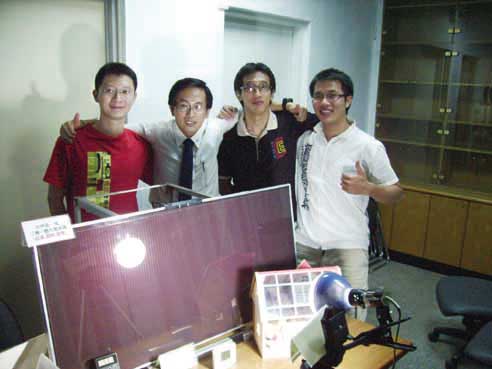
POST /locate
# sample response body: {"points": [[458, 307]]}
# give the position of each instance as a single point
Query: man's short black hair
{"points": [[332, 74], [184, 83], [250, 68], [117, 69]]}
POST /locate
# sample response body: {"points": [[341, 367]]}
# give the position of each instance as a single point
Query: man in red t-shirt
{"points": [[104, 157]]}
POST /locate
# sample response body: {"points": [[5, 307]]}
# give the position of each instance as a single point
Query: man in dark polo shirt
{"points": [[260, 150]]}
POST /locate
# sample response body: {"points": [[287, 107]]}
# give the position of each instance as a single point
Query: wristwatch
{"points": [[285, 101]]}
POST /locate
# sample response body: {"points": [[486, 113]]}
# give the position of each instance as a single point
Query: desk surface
{"points": [[360, 357]]}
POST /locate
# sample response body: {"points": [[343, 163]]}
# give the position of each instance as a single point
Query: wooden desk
{"points": [[360, 357]]}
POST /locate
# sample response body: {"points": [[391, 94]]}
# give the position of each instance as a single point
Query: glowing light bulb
{"points": [[130, 252]]}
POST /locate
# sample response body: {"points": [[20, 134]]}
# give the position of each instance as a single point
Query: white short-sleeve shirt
{"points": [[327, 216]]}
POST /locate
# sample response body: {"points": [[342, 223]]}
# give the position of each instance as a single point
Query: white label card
{"points": [[183, 357], [47, 230]]}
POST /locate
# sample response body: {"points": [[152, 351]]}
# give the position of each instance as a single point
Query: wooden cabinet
{"points": [[433, 226], [434, 116], [386, 212], [477, 248], [446, 225], [410, 224], [434, 111]]}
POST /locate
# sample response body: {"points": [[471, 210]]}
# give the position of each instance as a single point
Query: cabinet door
{"points": [[386, 212], [410, 223], [445, 230], [467, 156], [414, 70], [477, 250]]}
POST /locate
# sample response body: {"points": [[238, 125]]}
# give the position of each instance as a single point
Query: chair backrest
{"points": [[377, 246], [10, 331]]}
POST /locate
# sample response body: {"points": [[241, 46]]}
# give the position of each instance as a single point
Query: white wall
{"points": [[167, 40], [50, 51]]}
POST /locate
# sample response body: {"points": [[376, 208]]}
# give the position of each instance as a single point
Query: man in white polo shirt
{"points": [[338, 167]]}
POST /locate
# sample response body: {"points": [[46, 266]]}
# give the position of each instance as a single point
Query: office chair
{"points": [[378, 249], [10, 331], [470, 298], [480, 346]]}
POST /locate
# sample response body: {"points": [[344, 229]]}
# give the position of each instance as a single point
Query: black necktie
{"points": [[186, 172]]}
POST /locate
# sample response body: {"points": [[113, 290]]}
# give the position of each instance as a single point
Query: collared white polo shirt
{"points": [[327, 216]]}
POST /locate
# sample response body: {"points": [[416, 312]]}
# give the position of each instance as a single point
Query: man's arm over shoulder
{"points": [[222, 125], [301, 116], [151, 131]]}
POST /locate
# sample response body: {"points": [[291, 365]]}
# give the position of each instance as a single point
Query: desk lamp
{"points": [[333, 292]]}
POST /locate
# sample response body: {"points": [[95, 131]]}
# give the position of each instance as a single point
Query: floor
{"points": [[414, 290]]}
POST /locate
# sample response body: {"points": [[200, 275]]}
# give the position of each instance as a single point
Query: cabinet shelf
{"points": [[438, 44], [407, 117], [431, 84], [410, 82], [435, 146], [434, 44], [435, 4], [433, 120], [443, 190]]}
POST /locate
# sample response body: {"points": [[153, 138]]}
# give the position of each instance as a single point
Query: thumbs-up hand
{"points": [[356, 184], [68, 130]]}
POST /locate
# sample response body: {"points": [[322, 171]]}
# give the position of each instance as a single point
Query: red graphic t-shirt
{"points": [[96, 163]]}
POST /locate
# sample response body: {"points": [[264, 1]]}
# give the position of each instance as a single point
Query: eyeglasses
{"points": [[112, 92], [183, 107], [330, 97], [251, 88]]}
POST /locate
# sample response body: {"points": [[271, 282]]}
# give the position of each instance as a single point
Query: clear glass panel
{"points": [[469, 137], [411, 101], [474, 21], [472, 104], [284, 278], [286, 312], [301, 293], [470, 171], [415, 63], [271, 296], [270, 279], [408, 131], [304, 310], [300, 277], [406, 23], [286, 297], [414, 164]]}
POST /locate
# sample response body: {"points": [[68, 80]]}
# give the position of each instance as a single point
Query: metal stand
{"points": [[336, 333]]}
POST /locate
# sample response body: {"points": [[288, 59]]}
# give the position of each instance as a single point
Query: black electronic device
{"points": [[109, 361]]}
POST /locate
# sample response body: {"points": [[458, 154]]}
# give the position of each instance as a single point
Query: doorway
{"points": [[281, 43]]}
